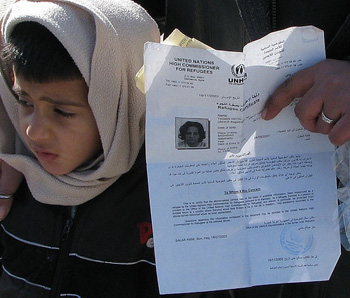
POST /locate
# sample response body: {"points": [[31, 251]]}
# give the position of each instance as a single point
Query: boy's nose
{"points": [[37, 129]]}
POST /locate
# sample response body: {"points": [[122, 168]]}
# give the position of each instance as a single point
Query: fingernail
{"points": [[263, 113], [2, 214]]}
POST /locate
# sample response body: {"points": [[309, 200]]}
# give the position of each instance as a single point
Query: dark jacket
{"points": [[231, 24], [103, 248]]}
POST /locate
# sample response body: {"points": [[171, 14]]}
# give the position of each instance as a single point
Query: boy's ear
{"points": [[12, 75]]}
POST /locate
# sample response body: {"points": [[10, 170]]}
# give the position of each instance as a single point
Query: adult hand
{"points": [[10, 179], [324, 87]]}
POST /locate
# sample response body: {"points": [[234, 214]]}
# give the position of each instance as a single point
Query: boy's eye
{"points": [[63, 113], [24, 102]]}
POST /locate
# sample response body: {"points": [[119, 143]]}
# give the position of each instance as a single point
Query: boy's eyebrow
{"points": [[59, 101]]}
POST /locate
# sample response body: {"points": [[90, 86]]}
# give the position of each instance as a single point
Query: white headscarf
{"points": [[105, 39]]}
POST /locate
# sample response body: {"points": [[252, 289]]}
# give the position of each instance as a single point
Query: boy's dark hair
{"points": [[37, 55]]}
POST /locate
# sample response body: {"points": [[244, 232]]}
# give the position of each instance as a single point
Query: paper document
{"points": [[236, 201]]}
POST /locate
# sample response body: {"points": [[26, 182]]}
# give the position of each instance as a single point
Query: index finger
{"points": [[295, 86]]}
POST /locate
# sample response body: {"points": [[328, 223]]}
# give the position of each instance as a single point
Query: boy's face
{"points": [[57, 123]]}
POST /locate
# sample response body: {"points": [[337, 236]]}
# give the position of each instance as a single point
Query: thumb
{"points": [[5, 206], [10, 179]]}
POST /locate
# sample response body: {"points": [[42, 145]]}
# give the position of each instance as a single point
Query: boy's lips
{"points": [[45, 155]]}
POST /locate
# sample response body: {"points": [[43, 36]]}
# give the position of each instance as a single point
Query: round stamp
{"points": [[296, 239], [309, 35]]}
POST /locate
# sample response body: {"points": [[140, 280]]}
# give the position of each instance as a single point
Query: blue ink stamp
{"points": [[296, 239]]}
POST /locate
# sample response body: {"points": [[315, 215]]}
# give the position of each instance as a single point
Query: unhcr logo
{"points": [[239, 74]]}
